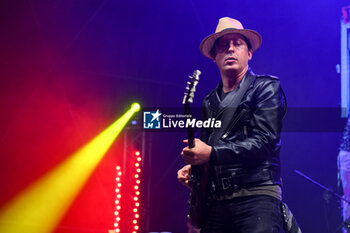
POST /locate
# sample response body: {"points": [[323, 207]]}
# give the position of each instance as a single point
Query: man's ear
{"points": [[250, 55]]}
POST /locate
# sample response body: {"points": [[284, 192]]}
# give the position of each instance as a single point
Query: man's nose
{"points": [[231, 47]]}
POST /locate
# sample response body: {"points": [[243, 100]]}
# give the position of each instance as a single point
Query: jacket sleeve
{"points": [[264, 127]]}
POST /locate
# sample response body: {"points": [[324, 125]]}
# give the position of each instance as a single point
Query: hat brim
{"points": [[253, 37]]}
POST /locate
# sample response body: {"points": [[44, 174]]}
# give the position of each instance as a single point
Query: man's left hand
{"points": [[199, 154]]}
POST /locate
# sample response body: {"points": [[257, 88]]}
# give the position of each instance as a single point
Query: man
{"points": [[344, 172], [244, 193]]}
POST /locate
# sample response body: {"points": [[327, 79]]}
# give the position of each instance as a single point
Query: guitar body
{"points": [[199, 173], [198, 196]]}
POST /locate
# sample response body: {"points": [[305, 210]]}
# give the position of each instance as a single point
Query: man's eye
{"points": [[223, 44]]}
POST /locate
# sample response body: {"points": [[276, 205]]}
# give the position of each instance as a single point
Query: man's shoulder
{"points": [[266, 76], [266, 79], [213, 91]]}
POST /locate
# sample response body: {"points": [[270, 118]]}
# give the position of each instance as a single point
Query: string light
{"points": [[118, 197], [136, 185]]}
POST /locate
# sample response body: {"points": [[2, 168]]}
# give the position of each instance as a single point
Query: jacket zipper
{"points": [[241, 113]]}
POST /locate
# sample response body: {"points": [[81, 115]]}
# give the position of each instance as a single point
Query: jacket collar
{"points": [[215, 103]]}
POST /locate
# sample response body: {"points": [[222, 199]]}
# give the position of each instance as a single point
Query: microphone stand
{"points": [[327, 195]]}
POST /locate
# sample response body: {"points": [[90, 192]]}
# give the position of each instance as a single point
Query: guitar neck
{"points": [[190, 130], [188, 98], [190, 137]]}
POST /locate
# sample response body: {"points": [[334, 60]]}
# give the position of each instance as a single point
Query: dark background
{"points": [[69, 68]]}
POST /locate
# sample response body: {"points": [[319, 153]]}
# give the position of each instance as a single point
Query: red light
{"points": [[137, 153]]}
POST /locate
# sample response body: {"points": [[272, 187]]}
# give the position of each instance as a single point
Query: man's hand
{"points": [[197, 155], [183, 175]]}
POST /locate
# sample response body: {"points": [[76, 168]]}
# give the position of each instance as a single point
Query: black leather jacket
{"points": [[249, 155]]}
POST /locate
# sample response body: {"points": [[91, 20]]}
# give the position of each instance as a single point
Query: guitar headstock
{"points": [[191, 87]]}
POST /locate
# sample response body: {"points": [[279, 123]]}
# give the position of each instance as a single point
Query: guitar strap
{"points": [[230, 103]]}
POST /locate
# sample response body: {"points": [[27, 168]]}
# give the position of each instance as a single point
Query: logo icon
{"points": [[151, 120]]}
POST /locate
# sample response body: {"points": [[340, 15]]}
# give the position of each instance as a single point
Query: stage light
{"points": [[135, 107], [42, 205]]}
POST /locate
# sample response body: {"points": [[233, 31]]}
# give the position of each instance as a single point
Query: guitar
{"points": [[199, 173]]}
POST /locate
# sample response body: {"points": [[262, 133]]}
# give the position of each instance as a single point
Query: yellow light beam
{"points": [[41, 206]]}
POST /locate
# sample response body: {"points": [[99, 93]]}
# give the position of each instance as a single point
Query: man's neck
{"points": [[231, 80]]}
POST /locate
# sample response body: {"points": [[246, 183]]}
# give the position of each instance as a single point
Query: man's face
{"points": [[232, 53]]}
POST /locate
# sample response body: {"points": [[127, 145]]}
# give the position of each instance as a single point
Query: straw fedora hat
{"points": [[225, 26]]}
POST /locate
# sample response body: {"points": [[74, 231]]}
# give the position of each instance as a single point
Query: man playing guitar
{"points": [[244, 183]]}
